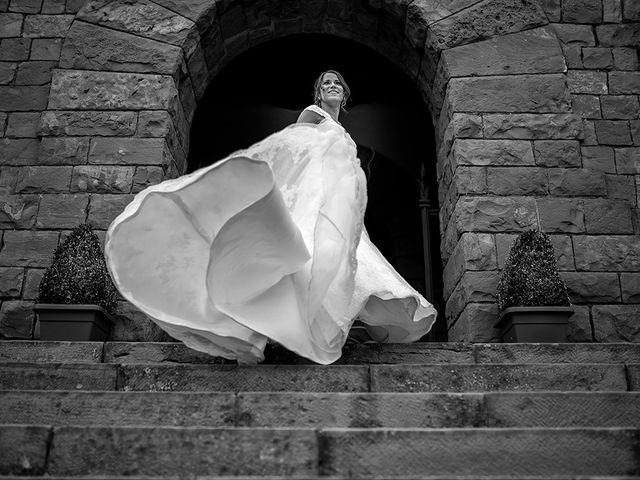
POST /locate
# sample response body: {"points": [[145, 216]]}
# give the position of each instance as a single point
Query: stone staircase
{"points": [[421, 411]]}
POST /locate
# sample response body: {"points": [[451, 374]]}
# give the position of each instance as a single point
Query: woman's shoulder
{"points": [[311, 114]]}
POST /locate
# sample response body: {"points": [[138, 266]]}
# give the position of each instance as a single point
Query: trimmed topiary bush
{"points": [[78, 273], [531, 277]]}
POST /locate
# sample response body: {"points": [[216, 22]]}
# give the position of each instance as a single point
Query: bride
{"points": [[267, 243]]}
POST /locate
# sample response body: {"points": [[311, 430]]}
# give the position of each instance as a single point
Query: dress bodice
{"points": [[321, 112]]}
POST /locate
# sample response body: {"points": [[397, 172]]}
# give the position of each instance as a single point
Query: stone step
{"points": [[431, 353], [314, 378], [322, 410], [187, 451]]}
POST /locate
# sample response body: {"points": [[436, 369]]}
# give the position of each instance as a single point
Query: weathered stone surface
{"points": [[491, 152], [472, 287], [585, 287], [579, 35], [102, 179], [619, 35], [45, 49], [495, 214], [475, 324], [597, 58], [576, 182], [7, 72], [63, 151], [146, 176], [613, 132], [35, 73], [18, 211], [127, 151], [57, 376], [634, 126], [103, 209], [46, 26], [560, 215], [587, 106], [587, 81], [160, 124], [616, 323], [8, 179], [589, 133], [630, 287], [22, 124], [458, 125], [92, 47], [14, 49], [607, 252], [53, 6], [10, 24], [474, 251], [620, 106], [18, 151], [532, 51], [456, 29], [23, 449], [32, 283], [43, 179], [582, 11], [50, 352], [86, 90], [557, 153], [631, 10], [624, 83], [517, 93], [598, 158], [579, 328], [28, 248], [11, 281], [625, 58], [612, 11], [607, 216], [517, 181], [621, 187], [134, 326], [532, 126], [62, 211], [200, 11], [62, 123], [16, 319], [23, 98]]}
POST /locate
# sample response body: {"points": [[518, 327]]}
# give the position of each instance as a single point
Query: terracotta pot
{"points": [[534, 324], [80, 323]]}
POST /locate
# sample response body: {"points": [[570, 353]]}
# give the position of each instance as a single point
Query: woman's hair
{"points": [[318, 84]]}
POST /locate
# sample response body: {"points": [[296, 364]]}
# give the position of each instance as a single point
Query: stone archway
{"points": [[491, 72]]}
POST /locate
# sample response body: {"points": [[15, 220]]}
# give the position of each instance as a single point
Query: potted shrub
{"points": [[532, 298], [76, 294]]}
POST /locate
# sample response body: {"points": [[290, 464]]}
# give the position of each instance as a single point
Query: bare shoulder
{"points": [[309, 116]]}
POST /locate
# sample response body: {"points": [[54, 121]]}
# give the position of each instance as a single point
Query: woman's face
{"points": [[331, 90]]}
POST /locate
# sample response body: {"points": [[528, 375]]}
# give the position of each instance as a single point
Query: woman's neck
{"points": [[333, 111]]}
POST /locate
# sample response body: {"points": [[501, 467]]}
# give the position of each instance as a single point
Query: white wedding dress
{"points": [[267, 243]]}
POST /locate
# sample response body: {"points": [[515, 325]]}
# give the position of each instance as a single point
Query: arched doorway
{"points": [[264, 89]]}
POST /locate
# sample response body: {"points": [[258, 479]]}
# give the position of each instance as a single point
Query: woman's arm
{"points": [[307, 116]]}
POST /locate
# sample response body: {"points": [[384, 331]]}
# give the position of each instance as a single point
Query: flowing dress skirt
{"points": [[267, 243]]}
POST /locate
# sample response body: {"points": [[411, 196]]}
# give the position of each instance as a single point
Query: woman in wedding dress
{"points": [[267, 243]]}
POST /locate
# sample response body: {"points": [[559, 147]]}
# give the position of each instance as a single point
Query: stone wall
{"points": [[535, 106]]}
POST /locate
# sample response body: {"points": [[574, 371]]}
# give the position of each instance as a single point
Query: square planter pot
{"points": [[80, 323], [534, 324]]}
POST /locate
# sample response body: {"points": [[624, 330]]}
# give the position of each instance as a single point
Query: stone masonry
{"points": [[534, 102]]}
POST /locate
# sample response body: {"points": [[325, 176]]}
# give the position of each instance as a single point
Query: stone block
{"points": [[631, 10], [146, 176], [557, 153], [473, 287], [491, 152], [634, 126], [576, 182], [45, 49], [19, 151], [93, 47], [495, 214], [621, 187], [53, 6], [62, 211], [587, 81], [628, 160], [517, 93], [32, 283], [102, 179], [43, 179], [23, 124], [571, 34], [47, 26], [630, 287], [23, 449], [561, 215], [18, 211], [517, 181], [625, 58], [587, 106], [582, 11], [132, 325], [459, 125], [475, 324], [616, 323], [127, 151], [608, 253], [620, 106], [69, 123], [474, 251], [105, 208], [589, 133], [11, 24], [14, 49], [8, 179], [563, 251], [58, 376], [85, 90], [597, 58], [613, 132], [592, 287], [619, 35], [598, 158], [25, 6], [11, 282], [16, 319], [530, 126], [7, 72], [624, 83], [35, 73], [23, 98], [572, 55], [612, 11], [28, 248], [579, 327], [63, 151]]}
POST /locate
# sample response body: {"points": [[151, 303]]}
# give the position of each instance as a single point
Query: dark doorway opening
{"points": [[264, 89]]}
